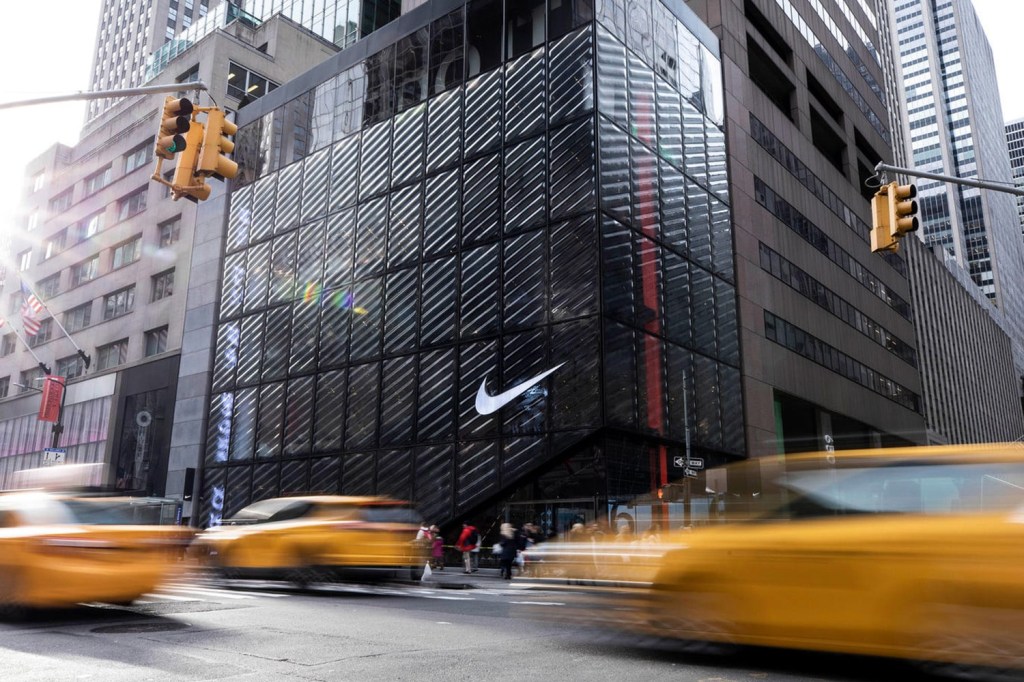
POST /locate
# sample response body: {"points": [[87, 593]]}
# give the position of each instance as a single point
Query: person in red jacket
{"points": [[468, 540]]}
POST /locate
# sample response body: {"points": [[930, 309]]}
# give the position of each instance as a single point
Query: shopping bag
{"points": [[427, 573]]}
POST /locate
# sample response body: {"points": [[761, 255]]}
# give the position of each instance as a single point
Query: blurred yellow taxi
{"points": [[914, 553], [315, 538], [58, 550]]}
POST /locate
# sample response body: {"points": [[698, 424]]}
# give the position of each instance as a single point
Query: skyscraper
{"points": [[954, 127], [1015, 145]]}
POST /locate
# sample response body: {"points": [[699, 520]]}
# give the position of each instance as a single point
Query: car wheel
{"points": [[10, 608], [965, 642]]}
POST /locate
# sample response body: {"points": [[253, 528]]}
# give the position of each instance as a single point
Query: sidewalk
{"points": [[455, 578]]}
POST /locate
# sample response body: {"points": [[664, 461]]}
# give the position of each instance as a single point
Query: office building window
{"points": [[163, 285], [84, 272], [88, 227], [13, 303], [98, 181], [156, 341], [242, 81], [33, 221], [55, 244], [38, 180], [24, 260], [9, 343], [5, 386], [61, 202], [78, 317], [119, 303], [49, 287], [126, 253], [169, 232], [133, 204], [31, 378], [71, 366], [44, 334], [137, 157], [112, 355]]}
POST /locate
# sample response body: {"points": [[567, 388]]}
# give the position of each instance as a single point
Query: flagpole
{"points": [[85, 357], [43, 366]]}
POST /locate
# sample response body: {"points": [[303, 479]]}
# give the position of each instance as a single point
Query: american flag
{"points": [[30, 310]]}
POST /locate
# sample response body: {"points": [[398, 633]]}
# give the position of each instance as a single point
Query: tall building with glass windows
{"points": [[954, 127], [1015, 145], [487, 256], [827, 329]]}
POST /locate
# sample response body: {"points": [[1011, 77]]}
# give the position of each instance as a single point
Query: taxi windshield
{"points": [[931, 488]]}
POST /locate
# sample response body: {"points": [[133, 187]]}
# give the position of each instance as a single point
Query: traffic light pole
{"points": [[994, 186], [107, 94]]}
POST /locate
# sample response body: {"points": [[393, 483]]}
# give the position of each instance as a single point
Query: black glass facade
{"points": [[502, 193]]}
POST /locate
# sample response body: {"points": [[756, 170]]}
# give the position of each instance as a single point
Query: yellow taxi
{"points": [[915, 553], [315, 538], [58, 550]]}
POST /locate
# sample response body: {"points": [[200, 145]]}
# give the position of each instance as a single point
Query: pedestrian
{"points": [[424, 534], [469, 540], [437, 549], [509, 549]]}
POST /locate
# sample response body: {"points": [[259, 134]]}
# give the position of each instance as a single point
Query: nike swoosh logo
{"points": [[488, 404]]}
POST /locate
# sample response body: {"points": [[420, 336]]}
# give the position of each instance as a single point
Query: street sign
{"points": [[695, 463], [54, 456], [691, 473], [679, 462]]}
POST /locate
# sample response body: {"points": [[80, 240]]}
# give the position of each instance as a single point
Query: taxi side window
{"points": [[7, 519]]}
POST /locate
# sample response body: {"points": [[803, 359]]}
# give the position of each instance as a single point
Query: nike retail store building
{"points": [[483, 260]]}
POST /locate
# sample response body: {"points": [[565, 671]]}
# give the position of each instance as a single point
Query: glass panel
{"points": [[446, 52], [409, 145], [435, 402], [363, 397], [479, 301], [218, 433], [483, 36], [614, 171], [331, 391], [240, 218], [571, 182], [282, 268], [406, 226], [611, 78], [574, 268], [304, 337], [639, 35], [443, 207], [571, 75], [379, 104], [397, 408], [244, 425], [524, 280], [708, 420], [617, 270], [371, 237], [612, 13], [698, 221], [233, 288], [721, 239], [257, 277], [670, 124], [673, 207], [411, 70], [703, 311], [689, 64], [335, 317], [694, 151], [481, 194], [264, 196], [438, 302], [268, 438], [339, 248], [315, 173], [666, 56], [677, 299], [226, 360], [366, 319], [400, 324], [620, 386], [726, 323], [644, 179], [251, 349], [375, 162], [483, 113], [289, 189], [525, 178], [525, 102], [567, 15], [344, 172], [275, 343], [310, 259], [444, 135]]}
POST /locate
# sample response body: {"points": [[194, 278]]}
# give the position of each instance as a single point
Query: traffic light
{"points": [[902, 209], [173, 125], [212, 159], [881, 234], [186, 182]]}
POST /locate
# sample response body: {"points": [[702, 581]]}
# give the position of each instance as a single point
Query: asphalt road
{"points": [[268, 631]]}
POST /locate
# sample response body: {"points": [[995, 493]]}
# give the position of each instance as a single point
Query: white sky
{"points": [[46, 48]]}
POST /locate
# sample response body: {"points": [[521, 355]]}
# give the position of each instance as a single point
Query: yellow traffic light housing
{"points": [[173, 125], [186, 182], [881, 234], [902, 209], [212, 159], [893, 214]]}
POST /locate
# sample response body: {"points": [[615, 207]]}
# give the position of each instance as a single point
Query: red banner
{"points": [[53, 391]]}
